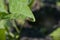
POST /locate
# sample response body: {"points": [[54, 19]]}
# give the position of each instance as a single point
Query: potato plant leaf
{"points": [[2, 29], [2, 15], [30, 2], [3, 24], [58, 4], [19, 8], [56, 34], [2, 34], [2, 6]]}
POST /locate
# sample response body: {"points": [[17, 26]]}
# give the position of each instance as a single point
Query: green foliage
{"points": [[58, 4], [2, 34], [30, 2], [2, 6], [2, 29], [19, 9], [56, 34], [2, 15], [2, 24]]}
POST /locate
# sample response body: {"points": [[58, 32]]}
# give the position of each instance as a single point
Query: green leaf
{"points": [[2, 15], [2, 24], [30, 2], [5, 24], [2, 34], [2, 30], [58, 4], [3, 11], [56, 34], [2, 6], [19, 8], [15, 16]]}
